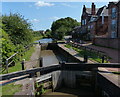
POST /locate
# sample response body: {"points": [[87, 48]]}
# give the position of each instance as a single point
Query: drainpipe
{"points": [[102, 18]]}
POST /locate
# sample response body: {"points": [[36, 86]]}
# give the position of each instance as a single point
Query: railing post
{"points": [[7, 65]]}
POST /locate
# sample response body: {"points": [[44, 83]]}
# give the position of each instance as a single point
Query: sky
{"points": [[42, 14]]}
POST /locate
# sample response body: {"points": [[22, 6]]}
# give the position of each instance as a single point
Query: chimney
{"points": [[84, 8], [93, 9]]}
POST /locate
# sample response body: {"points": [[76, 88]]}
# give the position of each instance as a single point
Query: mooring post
{"points": [[7, 65], [85, 58], [23, 62], [103, 59], [41, 61]]}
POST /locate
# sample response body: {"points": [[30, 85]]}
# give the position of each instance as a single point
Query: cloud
{"points": [[42, 4], [68, 5], [65, 4], [35, 21], [54, 18]]}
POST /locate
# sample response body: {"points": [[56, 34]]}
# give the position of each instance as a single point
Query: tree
{"points": [[17, 28], [8, 47], [62, 27], [48, 33]]}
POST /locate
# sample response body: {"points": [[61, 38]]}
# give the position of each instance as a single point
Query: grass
{"points": [[10, 89], [92, 55], [18, 65]]}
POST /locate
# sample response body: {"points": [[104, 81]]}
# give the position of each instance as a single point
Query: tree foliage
{"points": [[17, 28], [48, 33], [62, 27], [16, 34], [8, 47]]}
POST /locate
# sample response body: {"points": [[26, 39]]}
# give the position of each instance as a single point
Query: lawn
{"points": [[10, 89], [91, 55]]}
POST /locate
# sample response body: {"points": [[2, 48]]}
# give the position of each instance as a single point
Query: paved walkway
{"points": [[113, 53]]}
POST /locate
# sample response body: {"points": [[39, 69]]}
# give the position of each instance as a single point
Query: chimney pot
{"points": [[93, 9]]}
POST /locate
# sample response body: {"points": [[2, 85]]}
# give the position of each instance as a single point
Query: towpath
{"points": [[28, 83]]}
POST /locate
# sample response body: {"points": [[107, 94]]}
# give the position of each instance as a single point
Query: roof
{"points": [[100, 12], [88, 10]]}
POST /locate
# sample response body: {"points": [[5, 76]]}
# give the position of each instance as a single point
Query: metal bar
{"points": [[12, 56], [10, 63]]}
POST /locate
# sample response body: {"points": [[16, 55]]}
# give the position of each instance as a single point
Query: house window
{"points": [[114, 13], [85, 21], [114, 25], [113, 34], [82, 22]]}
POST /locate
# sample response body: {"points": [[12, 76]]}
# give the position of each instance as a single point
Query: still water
{"points": [[49, 57], [45, 40]]}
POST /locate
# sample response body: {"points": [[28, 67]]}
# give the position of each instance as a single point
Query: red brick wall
{"points": [[108, 42]]}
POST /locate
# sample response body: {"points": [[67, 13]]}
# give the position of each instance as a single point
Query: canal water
{"points": [[48, 56], [45, 40]]}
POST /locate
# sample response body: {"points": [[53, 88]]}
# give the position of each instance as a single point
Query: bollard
{"points": [[41, 62], [103, 59], [85, 58], [7, 66], [23, 62]]}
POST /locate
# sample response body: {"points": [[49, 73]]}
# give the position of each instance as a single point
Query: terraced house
{"points": [[95, 20], [113, 38]]}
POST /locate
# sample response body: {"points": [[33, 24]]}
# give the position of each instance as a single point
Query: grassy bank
{"points": [[18, 66], [92, 55], [10, 89]]}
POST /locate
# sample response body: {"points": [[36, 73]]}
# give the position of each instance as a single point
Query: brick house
{"points": [[95, 21], [113, 38]]}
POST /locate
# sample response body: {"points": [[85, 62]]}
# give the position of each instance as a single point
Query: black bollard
{"points": [[23, 61], [103, 59], [41, 62], [85, 58]]}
